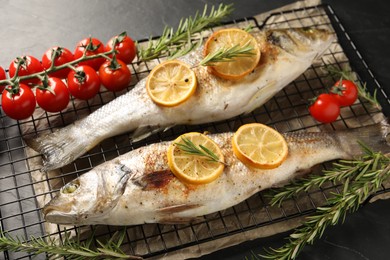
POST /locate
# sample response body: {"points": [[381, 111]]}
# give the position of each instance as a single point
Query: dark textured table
{"points": [[31, 27]]}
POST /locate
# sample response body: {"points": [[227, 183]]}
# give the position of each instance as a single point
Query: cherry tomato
{"points": [[346, 93], [29, 65], [125, 47], [62, 56], [83, 84], [325, 108], [93, 46], [20, 105], [54, 97], [114, 75], [2, 76]]}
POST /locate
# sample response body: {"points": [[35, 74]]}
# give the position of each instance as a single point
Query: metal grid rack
{"points": [[20, 213]]}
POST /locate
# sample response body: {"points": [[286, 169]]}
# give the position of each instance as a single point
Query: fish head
{"points": [[301, 41], [90, 196]]}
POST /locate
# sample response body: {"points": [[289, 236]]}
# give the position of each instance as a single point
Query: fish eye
{"points": [[70, 187]]}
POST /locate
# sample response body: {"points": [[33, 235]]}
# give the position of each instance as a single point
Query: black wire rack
{"points": [[20, 207]]}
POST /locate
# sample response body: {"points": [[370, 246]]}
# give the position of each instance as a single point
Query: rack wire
{"points": [[20, 210]]}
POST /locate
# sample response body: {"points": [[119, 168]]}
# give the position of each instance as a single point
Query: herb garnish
{"points": [[361, 178], [179, 42], [71, 249], [190, 148]]}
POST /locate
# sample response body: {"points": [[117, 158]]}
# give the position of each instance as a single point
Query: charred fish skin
{"points": [[215, 99], [152, 194]]}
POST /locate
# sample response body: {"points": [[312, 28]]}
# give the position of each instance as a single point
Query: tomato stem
{"points": [[119, 39], [53, 68], [108, 57], [56, 52], [45, 84], [70, 66], [19, 64], [114, 65]]}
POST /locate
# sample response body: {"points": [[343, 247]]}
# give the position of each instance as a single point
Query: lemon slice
{"points": [[259, 146], [171, 83], [192, 168], [240, 66]]}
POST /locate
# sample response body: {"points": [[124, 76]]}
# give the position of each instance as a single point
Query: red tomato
{"points": [[92, 48], [115, 75], [325, 108], [20, 105], [54, 98], [2, 76], [125, 47], [29, 65], [62, 56], [346, 93], [83, 84]]}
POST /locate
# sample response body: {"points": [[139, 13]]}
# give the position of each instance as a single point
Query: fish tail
{"points": [[58, 148], [376, 137]]}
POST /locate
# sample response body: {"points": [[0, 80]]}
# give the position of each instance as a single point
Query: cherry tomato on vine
{"points": [[29, 65], [125, 47], [84, 83], [114, 75], [53, 97], [325, 108], [18, 104], [62, 56], [345, 92], [92, 46], [2, 76]]}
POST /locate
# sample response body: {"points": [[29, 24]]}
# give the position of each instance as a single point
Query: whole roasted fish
{"points": [[285, 54], [138, 187]]}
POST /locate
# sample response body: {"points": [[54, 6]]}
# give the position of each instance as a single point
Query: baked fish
{"points": [[285, 54], [138, 187]]}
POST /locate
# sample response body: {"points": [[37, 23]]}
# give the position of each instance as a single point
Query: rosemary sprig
{"points": [[190, 148], [227, 54], [361, 177], [343, 169], [362, 88], [180, 42], [71, 249]]}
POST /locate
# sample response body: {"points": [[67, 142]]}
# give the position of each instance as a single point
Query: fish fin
{"points": [[154, 180], [375, 137], [58, 148], [145, 131], [254, 103]]}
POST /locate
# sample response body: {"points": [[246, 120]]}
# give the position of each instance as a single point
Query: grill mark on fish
{"points": [[154, 180], [178, 208]]}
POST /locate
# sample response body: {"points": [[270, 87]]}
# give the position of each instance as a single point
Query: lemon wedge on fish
{"points": [[171, 83], [190, 166], [239, 66], [259, 146]]}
